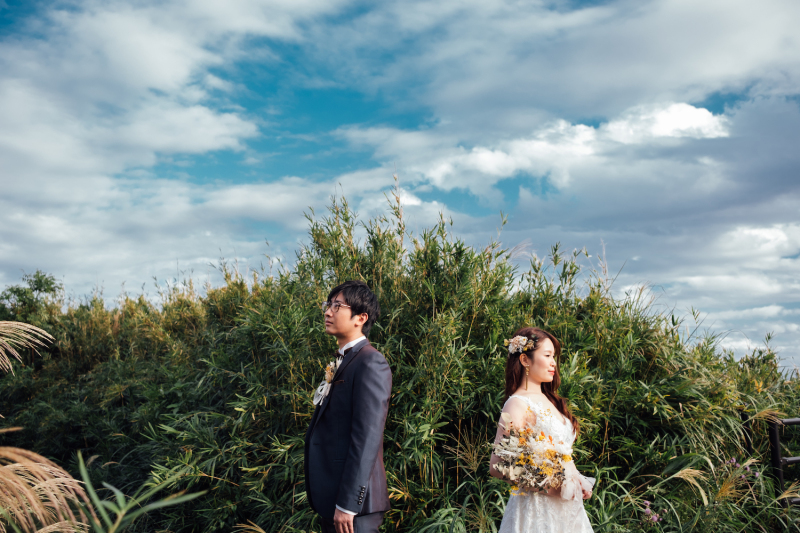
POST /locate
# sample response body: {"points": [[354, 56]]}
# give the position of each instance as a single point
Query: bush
{"points": [[219, 385]]}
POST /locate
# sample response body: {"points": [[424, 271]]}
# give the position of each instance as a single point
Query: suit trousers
{"points": [[368, 523]]}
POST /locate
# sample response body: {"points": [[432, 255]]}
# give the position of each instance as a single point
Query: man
{"points": [[345, 477]]}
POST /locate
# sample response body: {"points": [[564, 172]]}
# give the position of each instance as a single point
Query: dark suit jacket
{"points": [[344, 442]]}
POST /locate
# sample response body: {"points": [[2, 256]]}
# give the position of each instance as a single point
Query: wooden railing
{"points": [[777, 461]]}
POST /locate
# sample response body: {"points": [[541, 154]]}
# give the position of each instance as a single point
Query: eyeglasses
{"points": [[335, 305]]}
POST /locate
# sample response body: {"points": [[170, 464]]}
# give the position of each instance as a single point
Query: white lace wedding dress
{"points": [[538, 512]]}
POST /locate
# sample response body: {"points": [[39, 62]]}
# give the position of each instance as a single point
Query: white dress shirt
{"points": [[341, 357], [350, 345]]}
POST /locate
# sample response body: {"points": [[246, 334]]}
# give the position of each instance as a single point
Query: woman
{"points": [[532, 399]]}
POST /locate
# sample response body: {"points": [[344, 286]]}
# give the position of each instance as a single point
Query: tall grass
{"points": [[20, 335], [35, 493], [215, 386]]}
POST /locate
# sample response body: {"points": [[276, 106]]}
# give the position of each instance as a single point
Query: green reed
{"points": [[215, 384]]}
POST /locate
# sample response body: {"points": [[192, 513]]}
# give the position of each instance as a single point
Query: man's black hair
{"points": [[361, 299]]}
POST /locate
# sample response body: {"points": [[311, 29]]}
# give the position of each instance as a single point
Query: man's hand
{"points": [[343, 522]]}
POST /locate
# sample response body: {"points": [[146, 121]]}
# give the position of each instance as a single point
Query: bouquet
{"points": [[533, 462]]}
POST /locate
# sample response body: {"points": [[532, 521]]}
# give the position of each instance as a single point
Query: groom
{"points": [[345, 478]]}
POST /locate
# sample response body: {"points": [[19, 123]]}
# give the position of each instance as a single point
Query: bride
{"points": [[532, 399]]}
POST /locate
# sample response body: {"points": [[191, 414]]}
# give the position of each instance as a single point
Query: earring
{"points": [[526, 378]]}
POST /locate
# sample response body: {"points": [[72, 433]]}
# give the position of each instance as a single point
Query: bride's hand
{"points": [[587, 494]]}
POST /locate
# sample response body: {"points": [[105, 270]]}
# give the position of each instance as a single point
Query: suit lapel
{"points": [[347, 360], [350, 357], [314, 418]]}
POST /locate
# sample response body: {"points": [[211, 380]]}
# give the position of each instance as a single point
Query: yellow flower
{"points": [[330, 370]]}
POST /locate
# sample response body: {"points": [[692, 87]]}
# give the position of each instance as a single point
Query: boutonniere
{"points": [[325, 387]]}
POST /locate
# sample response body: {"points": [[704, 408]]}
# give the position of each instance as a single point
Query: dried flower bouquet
{"points": [[533, 462]]}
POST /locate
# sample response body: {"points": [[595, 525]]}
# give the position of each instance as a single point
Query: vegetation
{"points": [[211, 390], [36, 495]]}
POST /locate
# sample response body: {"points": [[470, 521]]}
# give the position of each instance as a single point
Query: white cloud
{"points": [[677, 120], [768, 311], [750, 284], [116, 85], [491, 68], [94, 96], [552, 150], [662, 185], [752, 246]]}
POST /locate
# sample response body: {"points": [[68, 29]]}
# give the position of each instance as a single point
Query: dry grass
{"points": [[39, 496], [792, 492], [768, 415], [693, 477], [250, 526], [471, 451], [14, 335], [36, 495], [734, 487]]}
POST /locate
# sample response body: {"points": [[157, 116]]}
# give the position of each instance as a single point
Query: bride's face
{"points": [[542, 366]]}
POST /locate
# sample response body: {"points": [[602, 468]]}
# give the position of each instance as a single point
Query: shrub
{"points": [[218, 386]]}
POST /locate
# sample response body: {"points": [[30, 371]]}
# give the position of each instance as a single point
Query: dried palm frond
{"points": [[15, 335], [38, 493], [693, 476]]}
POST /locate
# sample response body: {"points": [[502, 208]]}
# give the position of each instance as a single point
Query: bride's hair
{"points": [[515, 373]]}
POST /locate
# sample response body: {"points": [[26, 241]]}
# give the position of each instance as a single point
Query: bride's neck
{"points": [[533, 388]]}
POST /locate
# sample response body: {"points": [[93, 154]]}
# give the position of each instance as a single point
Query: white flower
{"points": [[325, 387], [519, 344]]}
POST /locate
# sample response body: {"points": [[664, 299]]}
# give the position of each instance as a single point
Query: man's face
{"points": [[342, 323]]}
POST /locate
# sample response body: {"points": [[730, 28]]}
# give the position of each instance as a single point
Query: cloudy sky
{"points": [[139, 139]]}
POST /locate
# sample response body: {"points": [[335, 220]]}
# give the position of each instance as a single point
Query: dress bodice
{"points": [[549, 420], [535, 511]]}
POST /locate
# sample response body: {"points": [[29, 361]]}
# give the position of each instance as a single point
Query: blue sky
{"points": [[140, 138]]}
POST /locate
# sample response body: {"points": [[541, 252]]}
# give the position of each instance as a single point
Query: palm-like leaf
{"points": [[38, 495], [19, 335]]}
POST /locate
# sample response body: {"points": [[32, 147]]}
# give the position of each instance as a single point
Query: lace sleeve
{"points": [[575, 483], [519, 412]]}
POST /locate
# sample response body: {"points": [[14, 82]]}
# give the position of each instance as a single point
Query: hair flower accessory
{"points": [[520, 344]]}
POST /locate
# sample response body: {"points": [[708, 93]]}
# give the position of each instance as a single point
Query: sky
{"points": [[144, 140]]}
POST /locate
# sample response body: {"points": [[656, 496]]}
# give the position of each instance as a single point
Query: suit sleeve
{"points": [[371, 391]]}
